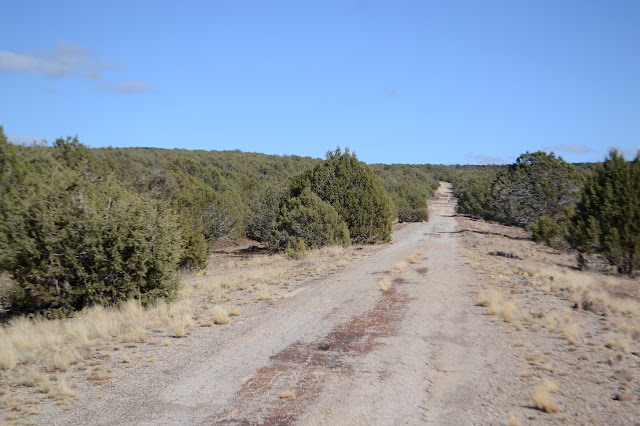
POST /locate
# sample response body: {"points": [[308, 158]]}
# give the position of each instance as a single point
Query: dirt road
{"points": [[349, 352]]}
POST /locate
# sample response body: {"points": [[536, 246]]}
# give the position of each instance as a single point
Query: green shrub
{"points": [[553, 232], [354, 191], [263, 208], [473, 192], [607, 219], [306, 221], [69, 242], [537, 184], [409, 188]]}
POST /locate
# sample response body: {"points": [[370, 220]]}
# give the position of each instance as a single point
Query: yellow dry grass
{"points": [[287, 394], [400, 267], [570, 332], [543, 398], [492, 299], [219, 315], [414, 257], [62, 392], [99, 374], [384, 284], [34, 351]]}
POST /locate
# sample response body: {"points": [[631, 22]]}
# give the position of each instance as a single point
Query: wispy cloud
{"points": [[390, 93], [127, 86], [64, 59], [574, 148], [481, 160]]}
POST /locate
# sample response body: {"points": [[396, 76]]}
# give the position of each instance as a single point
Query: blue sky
{"points": [[453, 82]]}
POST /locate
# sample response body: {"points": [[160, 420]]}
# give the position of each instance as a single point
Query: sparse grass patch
{"points": [[8, 355], [219, 315], [135, 334], [619, 344], [384, 284], [513, 421], [99, 374], [414, 257], [400, 267], [543, 398], [570, 332], [44, 384], [510, 311], [287, 394], [63, 359], [492, 299], [62, 392]]}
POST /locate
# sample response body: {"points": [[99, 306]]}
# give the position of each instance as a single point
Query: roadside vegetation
{"points": [[81, 227], [590, 210]]}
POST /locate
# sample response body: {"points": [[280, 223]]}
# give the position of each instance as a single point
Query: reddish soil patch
{"points": [[422, 271], [307, 365]]}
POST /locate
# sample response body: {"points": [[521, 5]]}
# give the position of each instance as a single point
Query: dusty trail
{"points": [[352, 354]]}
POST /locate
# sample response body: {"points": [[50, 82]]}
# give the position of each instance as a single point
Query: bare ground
{"points": [[340, 350]]}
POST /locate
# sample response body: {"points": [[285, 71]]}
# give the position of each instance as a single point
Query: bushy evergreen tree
{"points": [[70, 240], [553, 232], [537, 184], [473, 195], [607, 219], [307, 221], [354, 191], [263, 209]]}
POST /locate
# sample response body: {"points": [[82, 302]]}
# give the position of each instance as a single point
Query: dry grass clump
{"points": [[62, 359], [400, 267], [543, 398], [264, 294], [44, 384], [287, 394], [99, 374], [510, 311], [233, 311], [219, 315], [62, 392], [513, 421], [178, 317], [384, 284], [414, 257], [619, 343], [8, 355], [570, 332], [492, 299]]}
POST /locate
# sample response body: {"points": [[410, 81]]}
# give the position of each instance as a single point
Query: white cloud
{"points": [[67, 59], [481, 160], [63, 60], [574, 148], [127, 86]]}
